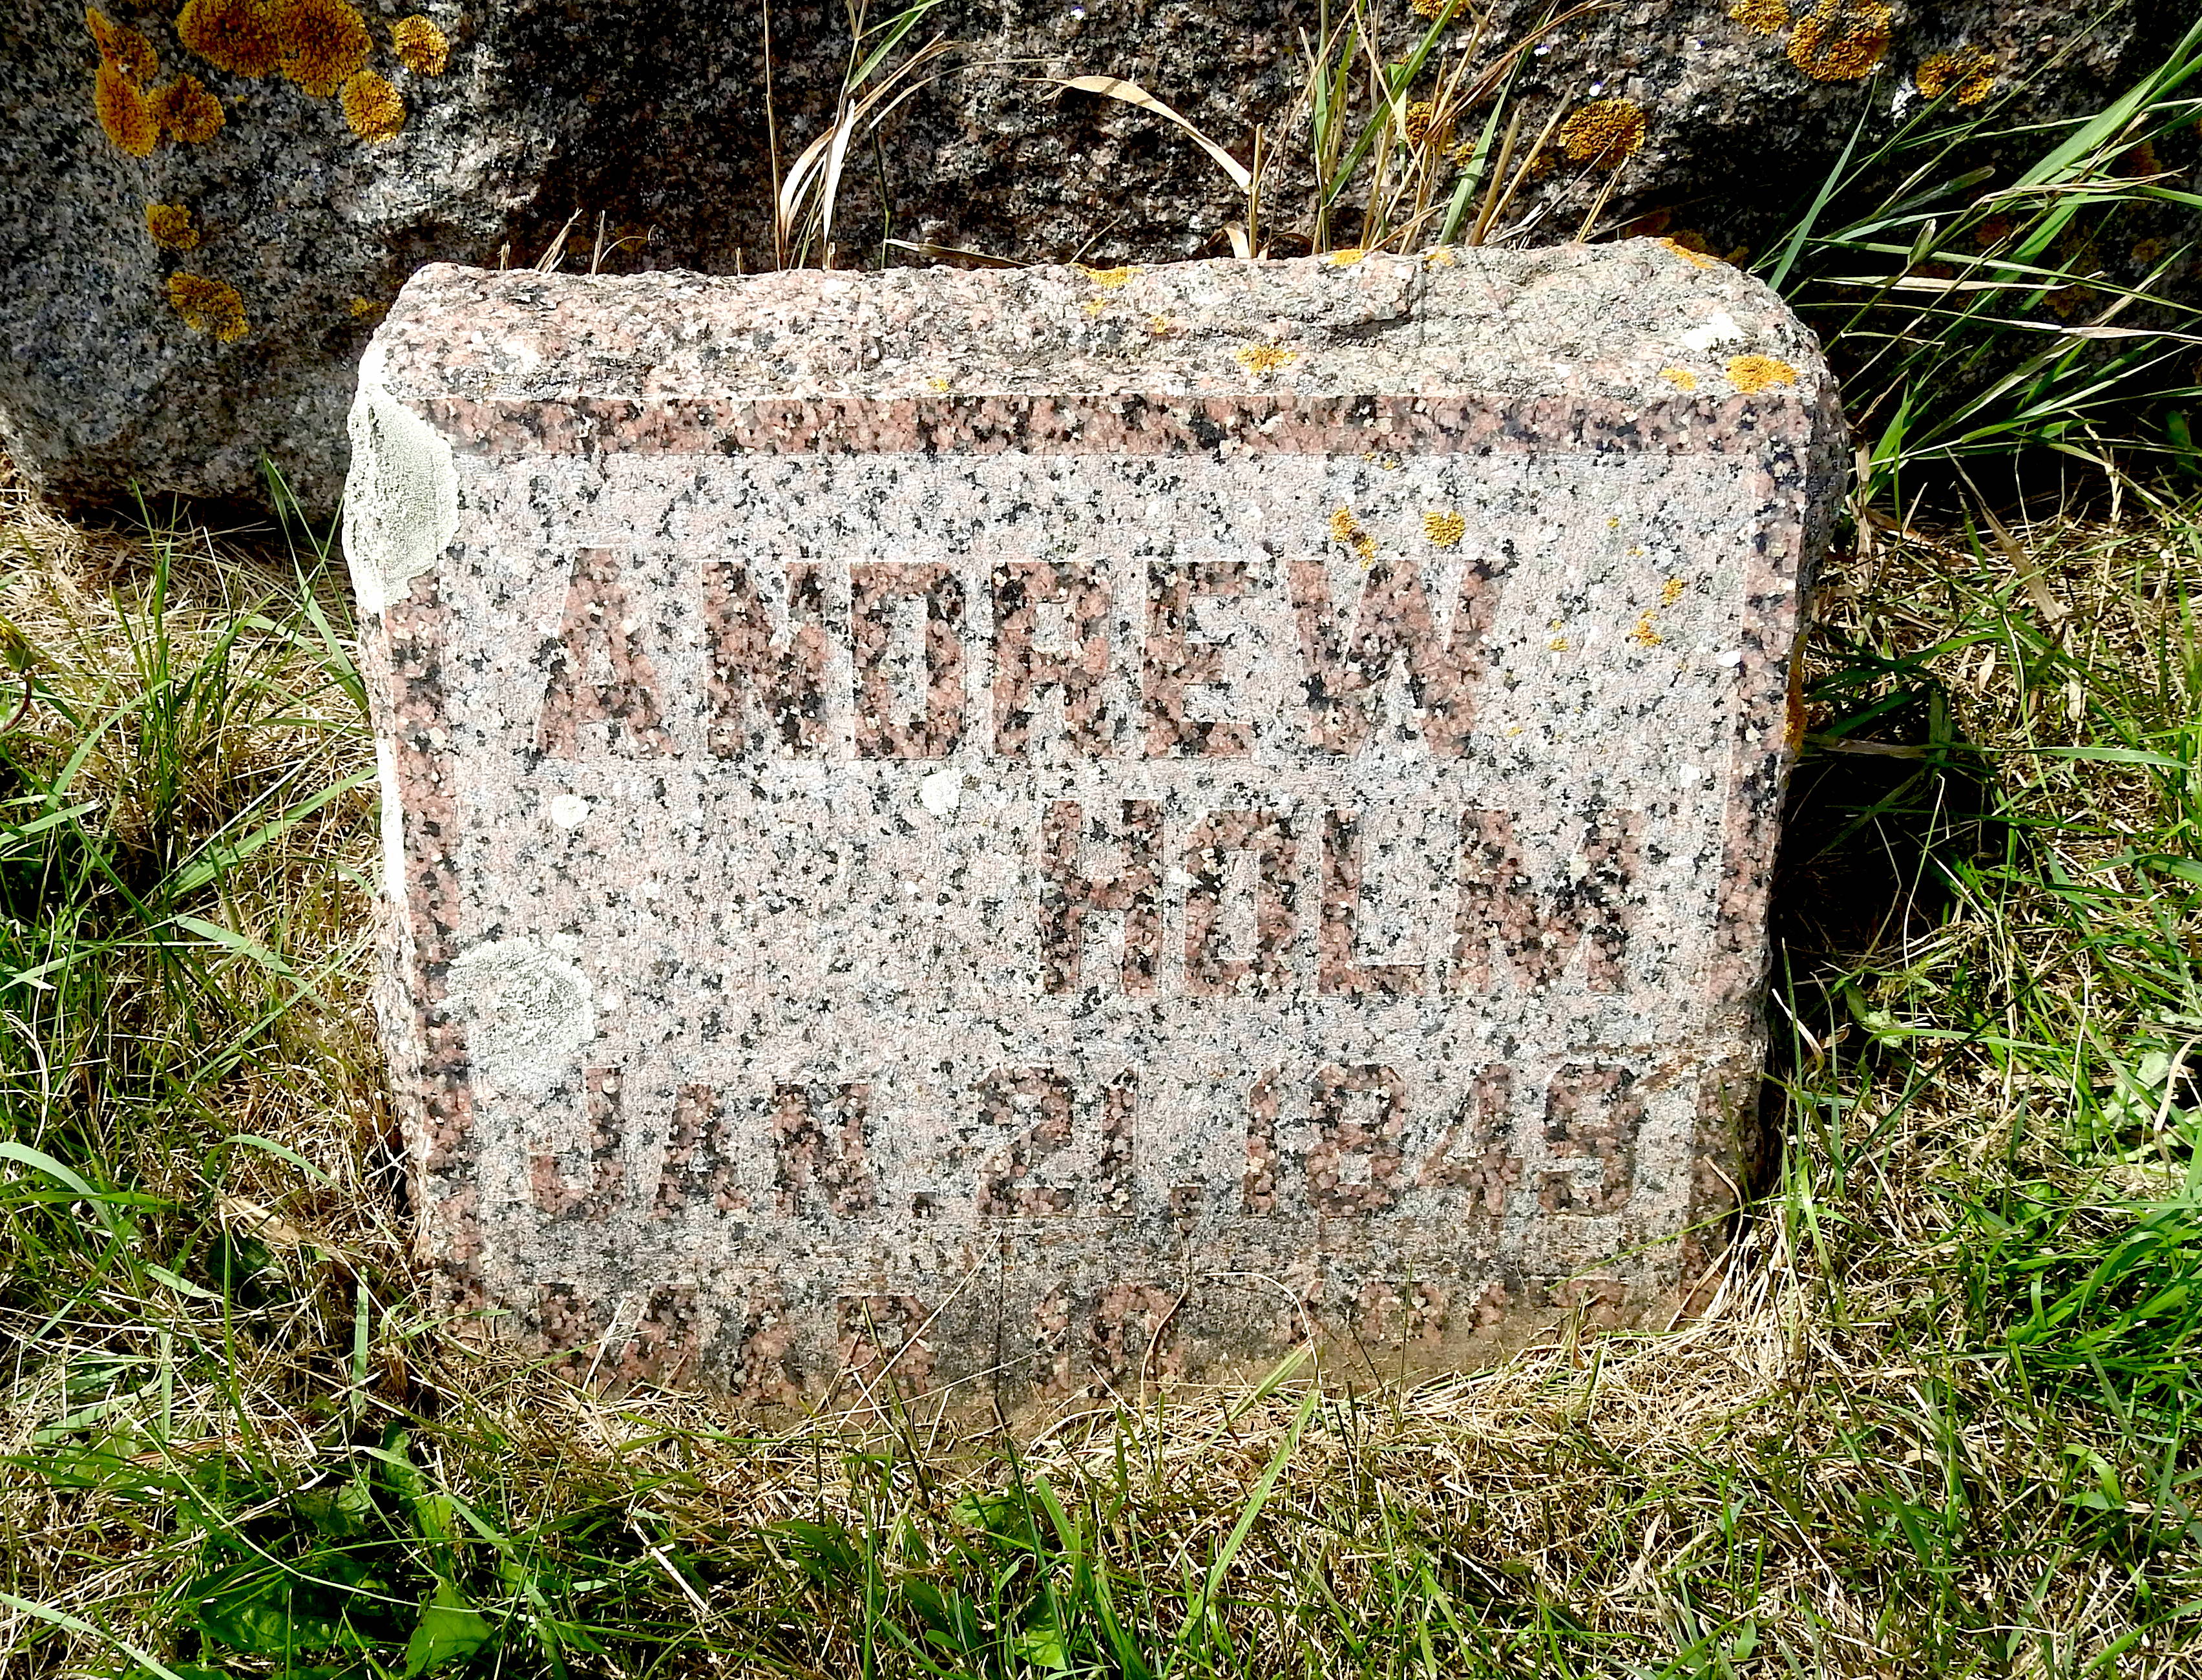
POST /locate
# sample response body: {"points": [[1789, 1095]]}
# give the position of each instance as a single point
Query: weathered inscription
{"points": [[898, 894]]}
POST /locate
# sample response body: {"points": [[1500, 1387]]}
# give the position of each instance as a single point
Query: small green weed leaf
{"points": [[450, 1629], [38, 1159], [259, 1623], [182, 1286], [281, 1152], [343, 1512], [1043, 1646], [230, 940]]}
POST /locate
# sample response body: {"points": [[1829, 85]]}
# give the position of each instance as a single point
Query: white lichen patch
{"points": [[527, 1012]]}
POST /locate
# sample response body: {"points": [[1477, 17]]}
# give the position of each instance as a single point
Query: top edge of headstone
{"points": [[1640, 321]]}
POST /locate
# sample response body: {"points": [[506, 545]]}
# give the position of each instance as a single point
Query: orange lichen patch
{"points": [[237, 36], [1431, 11], [1760, 17], [324, 43], [1441, 256], [1681, 378], [1750, 374], [1421, 125], [208, 305], [1445, 529], [1161, 326], [1346, 529], [1842, 40], [1605, 132], [1703, 259], [1673, 590], [2137, 162], [371, 107], [125, 49], [2069, 301], [1344, 257], [1645, 634], [1970, 71], [420, 46], [186, 111], [170, 224], [1260, 360], [1110, 278], [124, 115]]}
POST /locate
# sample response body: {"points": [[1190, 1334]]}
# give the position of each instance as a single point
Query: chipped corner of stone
{"points": [[402, 497]]}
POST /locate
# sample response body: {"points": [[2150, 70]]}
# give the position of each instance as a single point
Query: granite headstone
{"points": [[1018, 834]]}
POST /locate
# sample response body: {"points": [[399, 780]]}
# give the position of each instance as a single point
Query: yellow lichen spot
{"points": [[1673, 590], [1749, 373], [186, 111], [1841, 40], [1263, 360], [2147, 251], [125, 49], [937, 383], [1422, 127], [208, 305], [1161, 326], [1645, 634], [1681, 378], [1970, 71], [420, 46], [323, 45], [1431, 11], [366, 309], [1441, 256], [124, 115], [237, 36], [170, 224], [1760, 17], [1559, 643], [1109, 278], [1445, 529], [1346, 256], [1094, 305], [1605, 132], [371, 107], [1346, 529]]}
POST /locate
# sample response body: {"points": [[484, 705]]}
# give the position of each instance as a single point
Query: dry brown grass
{"points": [[1848, 1465]]}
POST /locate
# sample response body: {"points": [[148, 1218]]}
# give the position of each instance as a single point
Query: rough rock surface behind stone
{"points": [[292, 224]]}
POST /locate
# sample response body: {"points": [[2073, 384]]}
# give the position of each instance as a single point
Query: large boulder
{"points": [[204, 209]]}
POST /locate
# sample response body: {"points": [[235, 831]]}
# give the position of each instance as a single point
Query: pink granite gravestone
{"points": [[1018, 834]]}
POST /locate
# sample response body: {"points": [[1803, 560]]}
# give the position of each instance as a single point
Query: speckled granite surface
{"points": [[1016, 834]]}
